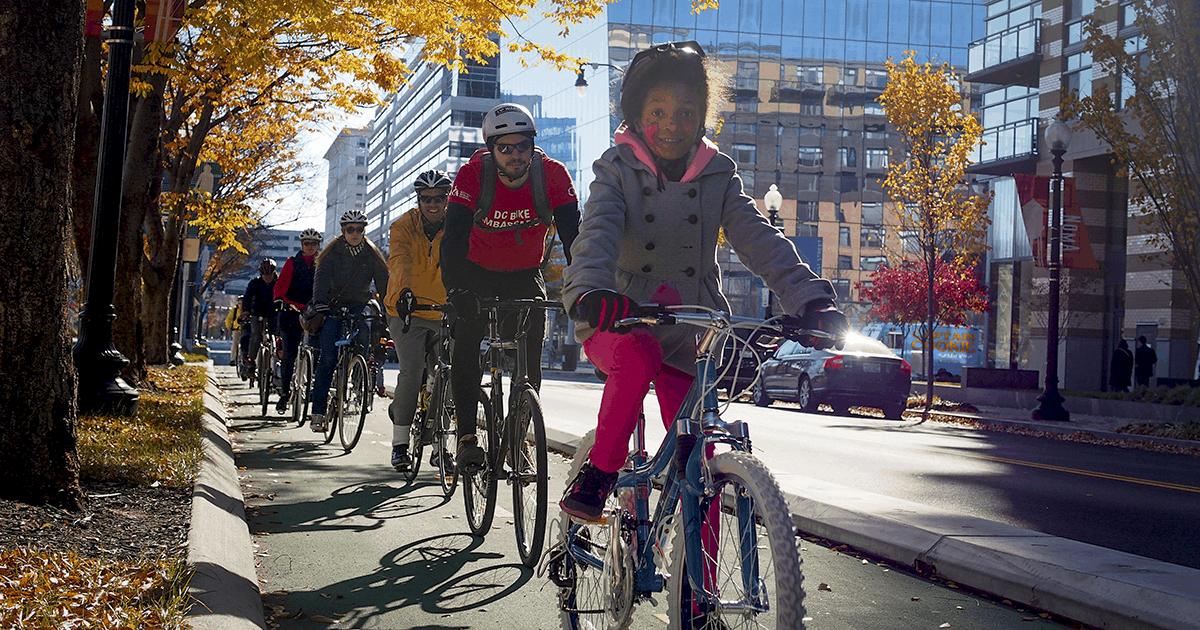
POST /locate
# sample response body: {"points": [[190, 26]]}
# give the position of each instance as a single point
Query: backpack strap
{"points": [[537, 182]]}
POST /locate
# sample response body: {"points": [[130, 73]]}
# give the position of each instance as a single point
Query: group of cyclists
{"points": [[649, 232]]}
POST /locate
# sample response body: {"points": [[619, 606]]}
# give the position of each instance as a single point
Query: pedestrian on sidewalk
{"points": [[1120, 372], [1144, 359]]}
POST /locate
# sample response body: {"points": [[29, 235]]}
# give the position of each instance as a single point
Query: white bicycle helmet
{"points": [[310, 235], [432, 179], [507, 118], [354, 216]]}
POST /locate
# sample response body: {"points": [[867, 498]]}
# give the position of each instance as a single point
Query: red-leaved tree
{"points": [[898, 296]]}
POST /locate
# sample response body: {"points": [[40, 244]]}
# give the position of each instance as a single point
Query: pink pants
{"points": [[632, 361]]}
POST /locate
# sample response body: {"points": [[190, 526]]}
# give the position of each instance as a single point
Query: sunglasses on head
{"points": [[354, 229], [640, 60], [522, 147], [432, 198]]}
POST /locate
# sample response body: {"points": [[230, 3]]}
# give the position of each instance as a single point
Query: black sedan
{"points": [[863, 374]]}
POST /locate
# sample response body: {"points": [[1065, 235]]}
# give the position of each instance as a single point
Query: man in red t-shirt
{"points": [[500, 211]]}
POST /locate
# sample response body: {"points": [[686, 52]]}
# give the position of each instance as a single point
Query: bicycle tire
{"points": [[479, 489], [527, 475], [748, 492], [353, 413], [416, 430], [583, 603], [444, 431], [301, 388], [333, 407], [264, 378]]}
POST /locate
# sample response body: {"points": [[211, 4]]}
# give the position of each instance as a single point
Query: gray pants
{"points": [[416, 350]]}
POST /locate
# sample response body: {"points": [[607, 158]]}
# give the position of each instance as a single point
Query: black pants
{"points": [[292, 333], [465, 368]]}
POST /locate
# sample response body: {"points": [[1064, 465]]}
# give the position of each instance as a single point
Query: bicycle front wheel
{"points": [[527, 461], [444, 429], [751, 573], [301, 387], [264, 377], [479, 489], [356, 388], [416, 437]]}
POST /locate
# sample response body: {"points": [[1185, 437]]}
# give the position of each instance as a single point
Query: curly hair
{"points": [[674, 66]]}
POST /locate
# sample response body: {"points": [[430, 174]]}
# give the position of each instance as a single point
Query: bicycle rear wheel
{"points": [[479, 489], [333, 408], [264, 377], [753, 565], [352, 412], [301, 384], [416, 437], [444, 430], [527, 461]]}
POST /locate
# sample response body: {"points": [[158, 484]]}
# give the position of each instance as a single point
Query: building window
{"points": [[735, 127], [846, 262], [466, 118], [850, 76], [744, 153], [746, 104], [838, 214], [871, 263], [808, 211], [844, 236], [814, 130], [874, 132], [841, 286], [872, 237], [1078, 77], [808, 182], [812, 107], [811, 74], [811, 156], [847, 182], [877, 158], [806, 230], [876, 78], [872, 213], [847, 157]]}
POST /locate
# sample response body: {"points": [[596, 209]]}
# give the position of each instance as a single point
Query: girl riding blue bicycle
{"points": [[649, 232]]}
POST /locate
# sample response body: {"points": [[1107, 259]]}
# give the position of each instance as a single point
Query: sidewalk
{"points": [[1097, 586]]}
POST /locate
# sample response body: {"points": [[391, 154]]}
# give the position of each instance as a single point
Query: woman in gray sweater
{"points": [[649, 233]]}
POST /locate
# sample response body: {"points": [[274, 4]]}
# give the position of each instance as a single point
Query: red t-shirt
{"points": [[495, 248]]}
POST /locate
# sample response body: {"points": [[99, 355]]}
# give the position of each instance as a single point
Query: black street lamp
{"points": [[581, 84], [98, 362], [773, 200], [1058, 136]]}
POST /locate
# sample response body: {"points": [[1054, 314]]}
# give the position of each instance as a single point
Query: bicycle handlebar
{"points": [[663, 315]]}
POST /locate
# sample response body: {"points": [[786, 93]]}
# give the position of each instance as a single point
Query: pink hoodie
{"points": [[701, 154]]}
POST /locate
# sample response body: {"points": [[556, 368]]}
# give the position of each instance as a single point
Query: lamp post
{"points": [[581, 84], [1058, 136], [773, 200], [97, 360]]}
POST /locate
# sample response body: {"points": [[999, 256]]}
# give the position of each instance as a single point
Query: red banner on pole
{"points": [[163, 18], [95, 18], [1033, 193]]}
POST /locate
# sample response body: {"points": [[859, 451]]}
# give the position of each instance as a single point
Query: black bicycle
{"points": [[302, 380], [518, 442], [434, 424], [352, 378], [267, 365]]}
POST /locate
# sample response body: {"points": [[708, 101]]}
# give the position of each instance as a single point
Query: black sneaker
{"points": [[585, 496], [281, 406], [470, 456], [435, 459], [400, 459]]}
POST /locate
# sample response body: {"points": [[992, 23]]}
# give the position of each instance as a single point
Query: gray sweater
{"points": [[638, 233], [343, 279]]}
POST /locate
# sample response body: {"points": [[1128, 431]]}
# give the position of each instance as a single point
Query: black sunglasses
{"points": [[354, 229], [432, 198], [640, 59], [523, 147]]}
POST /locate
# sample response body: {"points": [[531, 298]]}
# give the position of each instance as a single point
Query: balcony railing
{"points": [[1007, 45], [1013, 140]]}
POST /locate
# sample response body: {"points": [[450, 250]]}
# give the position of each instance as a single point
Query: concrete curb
{"points": [[1094, 585], [224, 587]]}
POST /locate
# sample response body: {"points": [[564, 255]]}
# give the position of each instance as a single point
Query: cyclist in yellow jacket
{"points": [[415, 276], [234, 326]]}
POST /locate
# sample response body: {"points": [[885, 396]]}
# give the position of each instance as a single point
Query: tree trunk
{"points": [[40, 51], [87, 149], [929, 335]]}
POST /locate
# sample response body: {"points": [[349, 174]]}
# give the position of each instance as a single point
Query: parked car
{"points": [[742, 360], [863, 374]]}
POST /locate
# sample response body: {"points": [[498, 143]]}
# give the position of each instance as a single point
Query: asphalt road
{"points": [[1140, 502], [342, 538]]}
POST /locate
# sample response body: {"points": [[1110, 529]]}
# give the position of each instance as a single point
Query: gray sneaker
{"points": [[317, 422]]}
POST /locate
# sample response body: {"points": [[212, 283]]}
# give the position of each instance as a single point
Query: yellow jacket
{"points": [[414, 262], [231, 320]]}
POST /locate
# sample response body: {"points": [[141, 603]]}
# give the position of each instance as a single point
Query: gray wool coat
{"points": [[634, 237]]}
